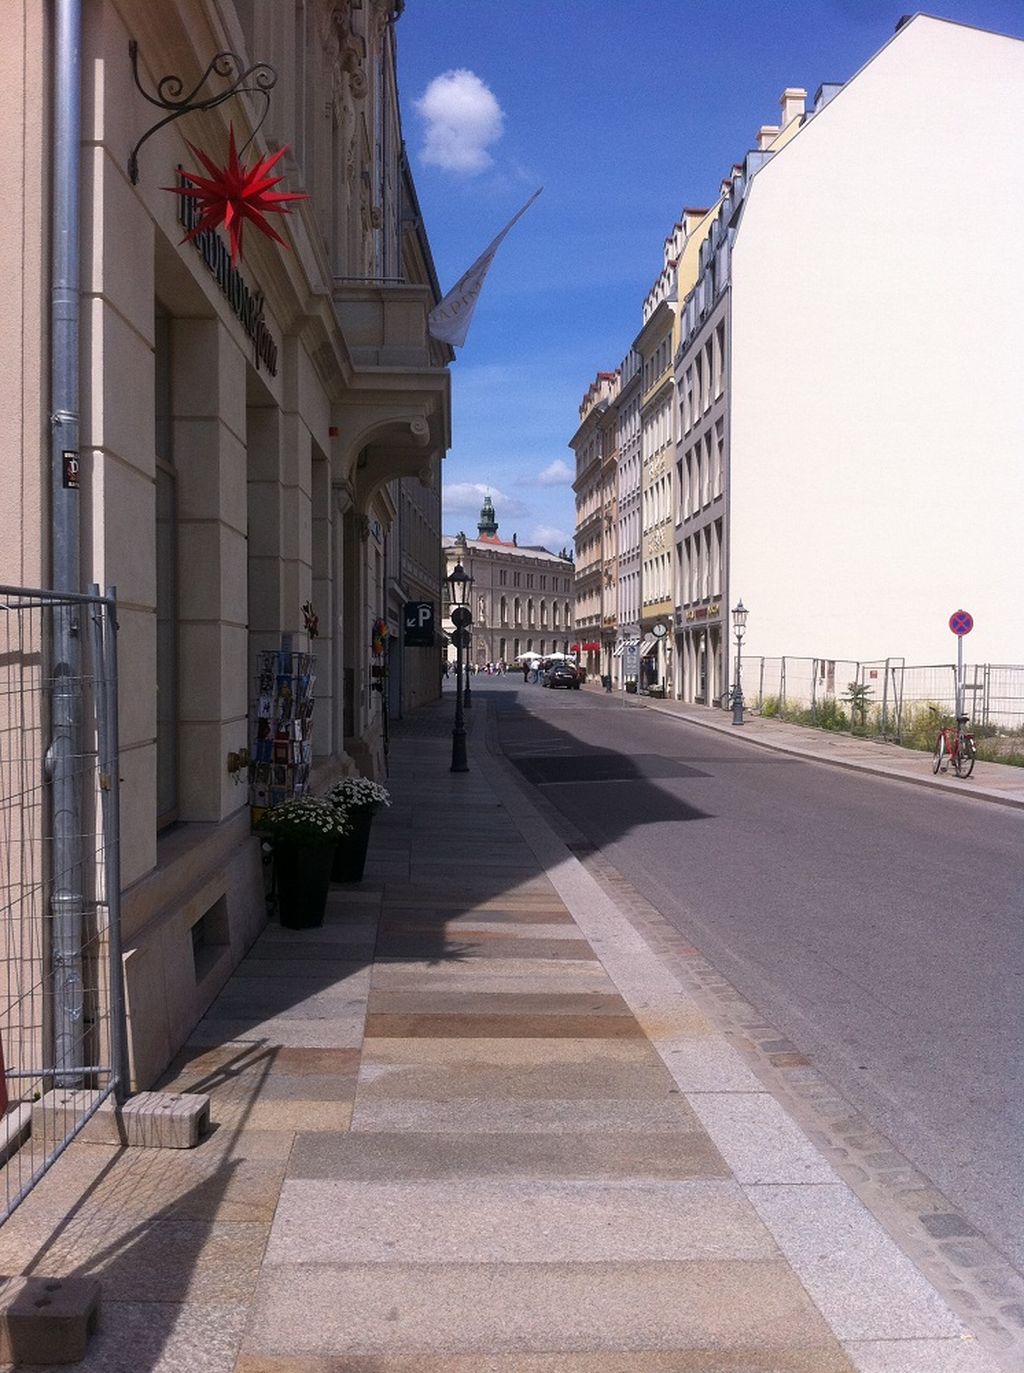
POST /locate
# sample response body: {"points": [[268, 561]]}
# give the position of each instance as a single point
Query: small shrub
{"points": [[857, 697], [920, 725], [770, 707], [831, 715]]}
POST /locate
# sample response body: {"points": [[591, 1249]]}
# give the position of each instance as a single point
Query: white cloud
{"points": [[462, 119], [466, 498], [557, 473], [553, 539]]}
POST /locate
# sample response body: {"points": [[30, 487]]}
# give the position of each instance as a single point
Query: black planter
{"points": [[303, 876], [350, 854]]}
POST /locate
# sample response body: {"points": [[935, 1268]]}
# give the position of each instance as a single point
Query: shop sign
{"points": [[246, 304]]}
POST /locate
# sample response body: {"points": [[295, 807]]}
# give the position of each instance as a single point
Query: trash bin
{"points": [[631, 688], [606, 681]]}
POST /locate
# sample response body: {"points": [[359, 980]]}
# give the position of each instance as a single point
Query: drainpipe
{"points": [[67, 901]]}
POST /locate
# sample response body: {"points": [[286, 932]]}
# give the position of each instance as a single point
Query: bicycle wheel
{"points": [[940, 752], [965, 756]]}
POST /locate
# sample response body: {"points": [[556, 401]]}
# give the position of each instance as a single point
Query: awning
{"points": [[648, 646], [621, 646]]}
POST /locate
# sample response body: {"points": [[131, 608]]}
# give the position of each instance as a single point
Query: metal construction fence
{"points": [[61, 989], [895, 692]]}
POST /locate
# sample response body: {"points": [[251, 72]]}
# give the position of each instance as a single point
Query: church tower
{"points": [[488, 525]]}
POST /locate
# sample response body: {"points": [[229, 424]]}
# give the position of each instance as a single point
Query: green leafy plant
{"points": [[306, 821], [830, 714], [858, 698], [770, 707]]}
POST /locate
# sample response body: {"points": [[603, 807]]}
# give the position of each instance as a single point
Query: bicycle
{"points": [[956, 743]]}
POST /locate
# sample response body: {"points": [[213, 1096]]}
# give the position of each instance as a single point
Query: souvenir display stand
{"points": [[282, 729]]}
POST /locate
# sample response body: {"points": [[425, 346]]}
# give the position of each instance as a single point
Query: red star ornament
{"points": [[234, 193]]}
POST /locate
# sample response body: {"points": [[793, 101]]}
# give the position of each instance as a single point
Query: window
{"points": [[515, 578], [502, 577], [504, 611], [517, 609]]}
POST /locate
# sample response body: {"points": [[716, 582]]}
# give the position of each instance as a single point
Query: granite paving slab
{"points": [[247, 1068], [523, 1222], [165, 1183], [470, 1002], [960, 1355], [761, 1142], [290, 1032], [467, 945], [522, 1308], [295, 995], [867, 1288], [397, 978], [160, 1337], [768, 1358], [455, 1082], [409, 1156], [532, 968], [395, 916], [270, 960], [508, 1052], [287, 1115], [140, 1258], [480, 927], [503, 1026], [532, 1115]]}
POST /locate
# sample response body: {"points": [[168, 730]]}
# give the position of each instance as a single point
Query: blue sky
{"points": [[624, 113]]}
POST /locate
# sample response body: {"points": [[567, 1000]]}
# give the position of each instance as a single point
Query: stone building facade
{"points": [[254, 436], [595, 448], [522, 597]]}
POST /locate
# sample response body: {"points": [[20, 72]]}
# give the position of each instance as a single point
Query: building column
{"points": [[210, 464]]}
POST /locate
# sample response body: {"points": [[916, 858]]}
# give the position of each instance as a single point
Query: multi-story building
{"points": [[628, 513], [655, 346], [836, 416], [595, 448], [251, 430], [701, 366], [522, 595]]}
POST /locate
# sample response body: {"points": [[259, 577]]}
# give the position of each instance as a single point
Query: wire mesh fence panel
{"points": [[918, 690], [61, 1013], [998, 695]]}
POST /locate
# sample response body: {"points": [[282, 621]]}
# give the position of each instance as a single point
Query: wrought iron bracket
{"points": [[257, 79]]}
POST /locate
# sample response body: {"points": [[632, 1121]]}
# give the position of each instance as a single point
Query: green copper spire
{"points": [[488, 524]]}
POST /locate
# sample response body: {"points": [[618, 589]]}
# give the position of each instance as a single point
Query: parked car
{"points": [[562, 675]]}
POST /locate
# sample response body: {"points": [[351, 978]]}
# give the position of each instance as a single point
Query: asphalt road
{"points": [[879, 927]]}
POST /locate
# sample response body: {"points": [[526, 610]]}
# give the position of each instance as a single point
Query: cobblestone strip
{"points": [[979, 1284]]}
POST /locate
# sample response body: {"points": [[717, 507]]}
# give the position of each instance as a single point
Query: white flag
{"points": [[449, 319]]}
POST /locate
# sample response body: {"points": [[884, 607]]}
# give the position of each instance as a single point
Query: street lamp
{"points": [[739, 624], [459, 582]]}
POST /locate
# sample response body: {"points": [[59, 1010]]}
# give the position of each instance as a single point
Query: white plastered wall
{"points": [[877, 319]]}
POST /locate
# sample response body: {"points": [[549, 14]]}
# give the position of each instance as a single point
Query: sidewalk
{"points": [[997, 782], [476, 1125]]}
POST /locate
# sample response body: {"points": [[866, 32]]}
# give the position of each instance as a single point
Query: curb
{"points": [[996, 798]]}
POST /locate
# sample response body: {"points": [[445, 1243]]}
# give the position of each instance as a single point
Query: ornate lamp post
{"points": [[467, 695], [459, 583], [739, 624]]}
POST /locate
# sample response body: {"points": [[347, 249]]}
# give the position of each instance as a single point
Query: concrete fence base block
{"points": [[166, 1120], [46, 1320], [149, 1120]]}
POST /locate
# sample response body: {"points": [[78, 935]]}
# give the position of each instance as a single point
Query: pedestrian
{"points": [[526, 669]]}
